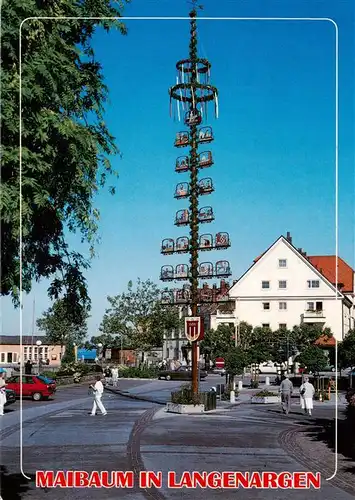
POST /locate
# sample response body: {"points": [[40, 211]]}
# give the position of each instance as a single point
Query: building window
{"points": [[265, 285], [283, 326], [265, 325], [313, 283], [282, 263], [266, 306], [9, 357], [282, 306], [282, 284], [2, 357], [310, 306]]}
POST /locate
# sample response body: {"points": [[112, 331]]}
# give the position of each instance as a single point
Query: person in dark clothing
{"points": [[28, 367]]}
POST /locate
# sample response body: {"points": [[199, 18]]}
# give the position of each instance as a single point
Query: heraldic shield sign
{"points": [[194, 329]]}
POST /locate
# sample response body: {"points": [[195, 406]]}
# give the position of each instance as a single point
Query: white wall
{"points": [[250, 295]]}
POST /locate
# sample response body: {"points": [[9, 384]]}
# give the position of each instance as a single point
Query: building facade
{"points": [[10, 351], [285, 287]]}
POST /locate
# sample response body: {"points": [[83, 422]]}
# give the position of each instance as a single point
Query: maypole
{"points": [[194, 91]]}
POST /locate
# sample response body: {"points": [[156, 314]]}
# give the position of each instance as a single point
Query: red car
{"points": [[35, 386]]}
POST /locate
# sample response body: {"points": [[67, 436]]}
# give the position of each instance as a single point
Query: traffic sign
{"points": [[194, 328], [219, 363]]}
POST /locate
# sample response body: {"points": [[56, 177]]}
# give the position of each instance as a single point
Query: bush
{"points": [[71, 368], [254, 384], [265, 394], [133, 372], [184, 396], [52, 375]]}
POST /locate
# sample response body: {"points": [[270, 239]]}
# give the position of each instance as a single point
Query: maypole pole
{"points": [[194, 91], [193, 196]]}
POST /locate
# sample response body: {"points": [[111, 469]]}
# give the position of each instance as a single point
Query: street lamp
{"points": [[38, 344]]}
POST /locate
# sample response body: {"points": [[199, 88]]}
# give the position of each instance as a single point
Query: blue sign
{"points": [[86, 354]]}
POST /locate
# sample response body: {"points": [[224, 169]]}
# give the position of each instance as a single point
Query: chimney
{"points": [[223, 286], [289, 237]]}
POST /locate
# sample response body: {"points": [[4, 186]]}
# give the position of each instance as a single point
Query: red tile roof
{"points": [[325, 341], [326, 264]]}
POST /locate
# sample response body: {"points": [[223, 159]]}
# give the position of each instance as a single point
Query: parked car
{"points": [[269, 368], [10, 397], [35, 386], [181, 373], [219, 371]]}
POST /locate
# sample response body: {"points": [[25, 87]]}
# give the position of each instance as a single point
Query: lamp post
{"points": [[38, 344], [100, 353], [121, 349]]}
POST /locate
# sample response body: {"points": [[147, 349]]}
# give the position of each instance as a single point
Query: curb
{"points": [[129, 395], [133, 396]]}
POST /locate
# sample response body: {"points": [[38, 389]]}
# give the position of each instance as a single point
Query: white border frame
{"points": [[202, 19]]}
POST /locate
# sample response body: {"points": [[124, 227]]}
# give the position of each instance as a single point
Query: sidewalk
{"points": [[159, 392], [245, 438]]}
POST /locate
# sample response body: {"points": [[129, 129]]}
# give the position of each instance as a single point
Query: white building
{"points": [[285, 287]]}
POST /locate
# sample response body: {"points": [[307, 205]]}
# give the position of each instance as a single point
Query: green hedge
{"points": [[134, 372]]}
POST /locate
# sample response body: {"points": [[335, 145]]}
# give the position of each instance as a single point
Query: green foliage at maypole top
{"points": [[66, 146]]}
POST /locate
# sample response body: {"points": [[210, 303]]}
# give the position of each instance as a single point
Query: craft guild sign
{"points": [[193, 329]]}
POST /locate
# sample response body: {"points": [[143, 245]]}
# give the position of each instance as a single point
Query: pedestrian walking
{"points": [[2, 392], [114, 372], [307, 391], [98, 390], [286, 389], [108, 375], [28, 367]]}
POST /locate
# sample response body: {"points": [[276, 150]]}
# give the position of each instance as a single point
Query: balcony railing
{"points": [[312, 316]]}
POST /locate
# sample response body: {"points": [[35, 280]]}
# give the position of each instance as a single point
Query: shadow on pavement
{"points": [[13, 486], [9, 410], [323, 429]]}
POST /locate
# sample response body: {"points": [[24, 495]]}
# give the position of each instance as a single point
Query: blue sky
{"points": [[274, 145]]}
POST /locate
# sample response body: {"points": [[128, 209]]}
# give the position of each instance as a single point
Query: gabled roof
{"points": [[326, 265], [303, 257]]}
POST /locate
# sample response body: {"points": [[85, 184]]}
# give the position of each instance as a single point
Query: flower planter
{"points": [[184, 409], [265, 399]]}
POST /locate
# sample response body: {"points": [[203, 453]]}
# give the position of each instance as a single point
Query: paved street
{"points": [[139, 435]]}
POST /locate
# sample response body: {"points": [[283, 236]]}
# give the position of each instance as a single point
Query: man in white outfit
{"points": [[306, 396], [114, 372], [98, 389], [2, 393]]}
